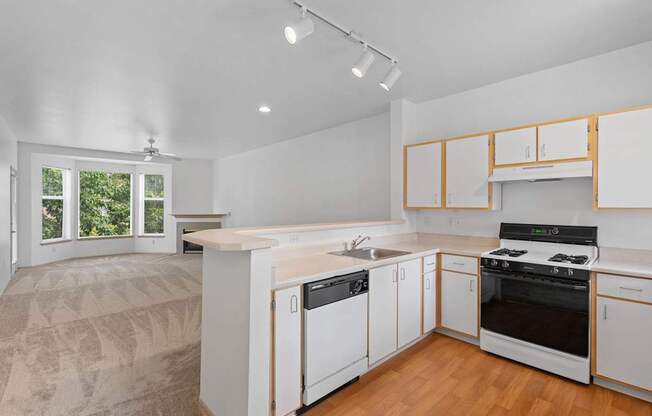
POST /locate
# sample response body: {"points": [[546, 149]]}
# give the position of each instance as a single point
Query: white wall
{"points": [[338, 174], [30, 159], [604, 83], [8, 158], [193, 187]]}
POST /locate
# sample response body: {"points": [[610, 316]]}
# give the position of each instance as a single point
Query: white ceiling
{"points": [[104, 74]]}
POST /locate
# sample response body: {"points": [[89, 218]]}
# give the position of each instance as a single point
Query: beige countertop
{"points": [[291, 269], [243, 239], [629, 262]]}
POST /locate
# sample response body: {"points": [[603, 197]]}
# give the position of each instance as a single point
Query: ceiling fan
{"points": [[152, 152]]}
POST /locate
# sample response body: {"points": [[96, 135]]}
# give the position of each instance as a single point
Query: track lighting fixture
{"points": [[364, 63], [390, 79], [305, 26], [300, 29]]}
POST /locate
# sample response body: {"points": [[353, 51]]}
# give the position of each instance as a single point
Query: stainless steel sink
{"points": [[370, 253]]}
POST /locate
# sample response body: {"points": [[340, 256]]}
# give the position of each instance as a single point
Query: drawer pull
{"points": [[633, 289], [427, 284], [471, 286], [458, 263], [604, 313]]}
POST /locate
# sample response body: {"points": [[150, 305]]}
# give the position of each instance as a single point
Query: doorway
{"points": [[13, 223]]}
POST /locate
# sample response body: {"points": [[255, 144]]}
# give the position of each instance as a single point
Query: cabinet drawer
{"points": [[459, 264], [429, 263], [625, 287]]}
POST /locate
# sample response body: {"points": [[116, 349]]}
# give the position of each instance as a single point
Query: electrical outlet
{"points": [[455, 222], [294, 238]]}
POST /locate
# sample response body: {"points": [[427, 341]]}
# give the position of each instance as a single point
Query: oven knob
{"points": [[555, 231], [494, 262], [505, 264], [358, 287], [570, 272], [555, 270]]}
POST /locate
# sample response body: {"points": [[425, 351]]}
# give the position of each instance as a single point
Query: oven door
{"points": [[542, 310]]}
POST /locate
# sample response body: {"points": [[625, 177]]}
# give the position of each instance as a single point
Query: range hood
{"points": [[547, 172]]}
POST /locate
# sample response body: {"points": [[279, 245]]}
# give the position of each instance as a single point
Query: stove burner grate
{"points": [[508, 252], [565, 258]]}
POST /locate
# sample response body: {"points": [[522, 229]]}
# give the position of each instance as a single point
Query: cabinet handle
{"points": [[604, 313], [294, 304], [436, 198], [402, 274], [427, 284], [527, 152], [449, 198], [543, 150], [458, 263], [634, 289], [471, 285], [430, 264], [395, 276]]}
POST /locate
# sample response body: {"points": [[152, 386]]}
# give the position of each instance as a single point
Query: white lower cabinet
{"points": [[287, 350], [409, 302], [459, 302], [624, 341], [429, 301], [383, 283], [394, 308]]}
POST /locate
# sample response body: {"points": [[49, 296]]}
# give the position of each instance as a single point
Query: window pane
{"points": [[52, 219], [153, 217], [154, 186], [104, 204], [52, 182]]}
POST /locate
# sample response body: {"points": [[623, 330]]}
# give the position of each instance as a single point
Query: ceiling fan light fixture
{"points": [[148, 158], [300, 29], [364, 63]]}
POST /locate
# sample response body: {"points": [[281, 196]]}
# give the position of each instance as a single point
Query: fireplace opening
{"points": [[191, 248]]}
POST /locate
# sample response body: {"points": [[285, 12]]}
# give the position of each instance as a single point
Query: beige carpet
{"points": [[109, 336]]}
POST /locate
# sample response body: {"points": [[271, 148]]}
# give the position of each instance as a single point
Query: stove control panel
{"points": [[536, 269]]}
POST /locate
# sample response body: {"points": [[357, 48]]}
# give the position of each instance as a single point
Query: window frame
{"points": [[65, 208], [131, 204], [143, 199]]}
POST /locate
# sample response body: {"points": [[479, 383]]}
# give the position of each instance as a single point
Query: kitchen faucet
{"points": [[356, 242]]}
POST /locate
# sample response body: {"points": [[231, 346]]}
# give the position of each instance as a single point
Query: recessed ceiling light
{"points": [[264, 109]]}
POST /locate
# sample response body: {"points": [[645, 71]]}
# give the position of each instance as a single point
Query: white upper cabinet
{"points": [[567, 140], [516, 146], [467, 172], [624, 149], [423, 176]]}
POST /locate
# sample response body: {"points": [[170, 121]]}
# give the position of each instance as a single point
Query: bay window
{"points": [[104, 204], [54, 191], [152, 205]]}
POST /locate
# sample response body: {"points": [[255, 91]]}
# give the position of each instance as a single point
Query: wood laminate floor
{"points": [[444, 376]]}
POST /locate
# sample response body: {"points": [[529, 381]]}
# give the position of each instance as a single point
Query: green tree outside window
{"points": [[153, 204], [104, 204], [52, 203]]}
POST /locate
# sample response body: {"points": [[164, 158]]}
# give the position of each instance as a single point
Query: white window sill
{"points": [[151, 236], [55, 241], [108, 237]]}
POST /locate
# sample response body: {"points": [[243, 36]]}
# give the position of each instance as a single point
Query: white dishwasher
{"points": [[335, 333]]}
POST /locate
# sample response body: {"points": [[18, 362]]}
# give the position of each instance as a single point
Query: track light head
{"points": [[299, 29], [390, 79], [364, 63]]}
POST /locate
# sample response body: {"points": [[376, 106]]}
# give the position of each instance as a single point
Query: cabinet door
{"points": [[423, 176], [409, 302], [287, 350], [459, 302], [382, 312], [624, 341], [429, 301], [467, 173], [516, 146], [568, 140], [624, 149]]}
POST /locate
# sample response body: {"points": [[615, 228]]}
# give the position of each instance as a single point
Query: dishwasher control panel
{"points": [[334, 289]]}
